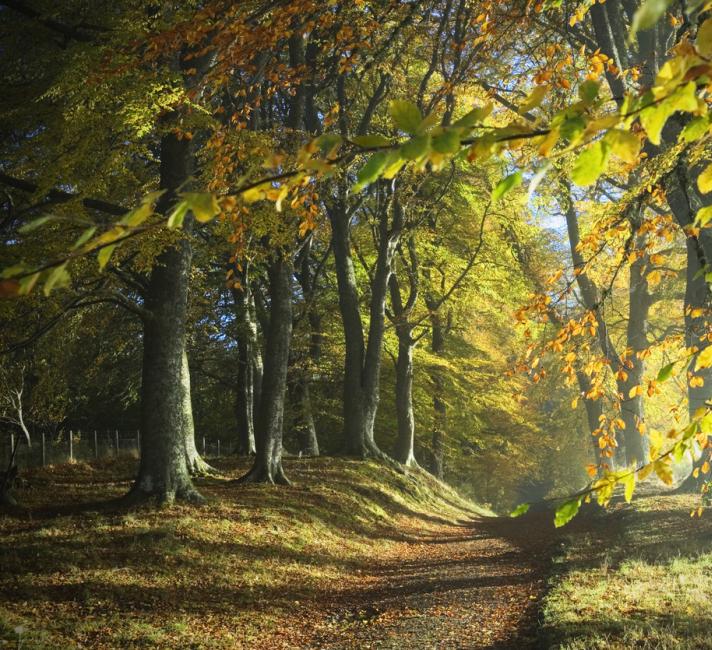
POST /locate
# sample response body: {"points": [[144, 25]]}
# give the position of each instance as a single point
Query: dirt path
{"points": [[475, 585]]}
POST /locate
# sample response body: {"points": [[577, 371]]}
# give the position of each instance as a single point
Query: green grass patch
{"points": [[639, 577]]}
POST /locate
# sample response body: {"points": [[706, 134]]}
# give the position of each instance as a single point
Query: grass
{"points": [[254, 566], [639, 578]]}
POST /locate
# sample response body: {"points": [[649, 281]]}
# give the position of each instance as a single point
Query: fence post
{"points": [[116, 436], [44, 451], [71, 446], [218, 447], [204, 453], [96, 446], [138, 441], [12, 443]]}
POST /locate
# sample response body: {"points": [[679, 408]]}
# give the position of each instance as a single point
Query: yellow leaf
{"points": [[704, 359], [644, 472], [704, 180], [634, 392], [664, 472], [534, 99], [704, 38], [654, 278]]}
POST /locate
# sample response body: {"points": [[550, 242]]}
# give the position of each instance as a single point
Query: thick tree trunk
{"points": [[594, 411], [363, 360], [404, 451], [353, 407], [632, 408], [698, 310], [163, 473], [267, 467]]}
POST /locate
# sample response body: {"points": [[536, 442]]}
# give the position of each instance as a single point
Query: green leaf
{"points": [[372, 170], [416, 147], [58, 277], [14, 270], [591, 163], [535, 98], [702, 218], [427, 123], [28, 283], [572, 127], [203, 205], [704, 180], [36, 223], [104, 255], [138, 215], [447, 142], [624, 144], [328, 143], [653, 118], [369, 141], [521, 509], [475, 116], [647, 16], [567, 511], [405, 115], [506, 185], [175, 219], [588, 91], [666, 372], [84, 237], [695, 128]]}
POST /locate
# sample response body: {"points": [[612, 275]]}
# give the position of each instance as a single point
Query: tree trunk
{"points": [[363, 360], [404, 451], [303, 421], [163, 473], [698, 309], [245, 400], [632, 408], [196, 464], [267, 467], [353, 408], [594, 411], [437, 346]]}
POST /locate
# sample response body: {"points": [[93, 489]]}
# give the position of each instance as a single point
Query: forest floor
{"points": [[353, 555]]}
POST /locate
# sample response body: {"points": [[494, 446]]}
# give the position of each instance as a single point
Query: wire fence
{"points": [[82, 445]]}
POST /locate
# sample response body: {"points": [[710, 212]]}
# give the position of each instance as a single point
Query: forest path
{"points": [[477, 584]]}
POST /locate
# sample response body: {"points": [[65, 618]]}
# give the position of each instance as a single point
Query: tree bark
{"points": [[437, 346], [353, 408], [303, 419], [246, 398], [362, 364], [197, 465], [632, 408], [404, 451], [163, 472], [267, 467]]}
